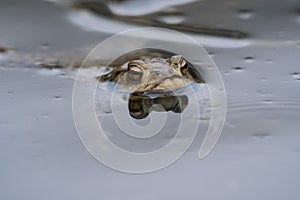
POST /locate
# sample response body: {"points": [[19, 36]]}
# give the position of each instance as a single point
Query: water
{"points": [[256, 48], [245, 14]]}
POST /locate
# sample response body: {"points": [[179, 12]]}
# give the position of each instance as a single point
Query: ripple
{"points": [[248, 59], [296, 76], [269, 104], [48, 72], [262, 136], [238, 69], [56, 97], [268, 61], [263, 79], [45, 46]]}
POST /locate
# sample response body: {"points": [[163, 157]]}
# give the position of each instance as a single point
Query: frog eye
{"points": [[183, 66], [178, 61], [135, 73], [175, 60]]}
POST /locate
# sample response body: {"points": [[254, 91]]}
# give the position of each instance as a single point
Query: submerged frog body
{"points": [[153, 75]]}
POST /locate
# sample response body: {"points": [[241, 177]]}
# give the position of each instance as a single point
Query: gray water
{"points": [[255, 45]]}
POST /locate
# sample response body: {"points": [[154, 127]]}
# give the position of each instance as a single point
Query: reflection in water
{"points": [[140, 105], [154, 19], [142, 7]]}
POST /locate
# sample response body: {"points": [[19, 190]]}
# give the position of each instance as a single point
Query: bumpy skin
{"points": [[151, 75]]}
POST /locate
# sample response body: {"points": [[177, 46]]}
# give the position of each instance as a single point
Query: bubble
{"points": [[248, 59], [245, 14]]}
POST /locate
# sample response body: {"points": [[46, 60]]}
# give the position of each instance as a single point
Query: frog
{"points": [[153, 81], [153, 75]]}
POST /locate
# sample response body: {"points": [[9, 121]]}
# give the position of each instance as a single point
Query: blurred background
{"points": [[256, 46]]}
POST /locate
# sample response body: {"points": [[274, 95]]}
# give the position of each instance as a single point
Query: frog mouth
{"points": [[174, 77], [166, 84], [171, 83]]}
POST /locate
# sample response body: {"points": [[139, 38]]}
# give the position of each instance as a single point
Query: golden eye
{"points": [[179, 62], [183, 67], [135, 73]]}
